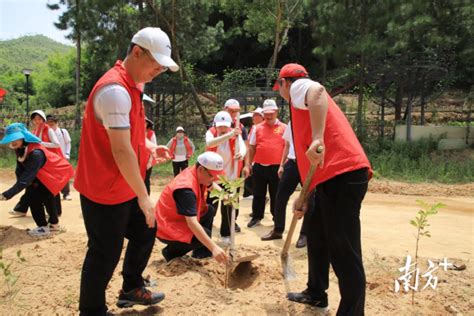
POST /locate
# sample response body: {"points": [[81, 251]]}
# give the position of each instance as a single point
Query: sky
{"points": [[30, 17]]}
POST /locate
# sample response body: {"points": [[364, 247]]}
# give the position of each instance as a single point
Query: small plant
{"points": [[421, 224], [9, 278], [229, 193]]}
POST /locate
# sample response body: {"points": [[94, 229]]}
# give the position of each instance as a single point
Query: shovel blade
{"points": [[288, 271]]}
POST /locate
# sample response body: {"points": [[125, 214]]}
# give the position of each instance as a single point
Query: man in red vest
{"points": [[184, 219], [266, 149], [110, 174], [323, 137]]}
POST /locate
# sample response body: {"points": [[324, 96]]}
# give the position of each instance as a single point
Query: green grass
{"points": [[419, 161]]}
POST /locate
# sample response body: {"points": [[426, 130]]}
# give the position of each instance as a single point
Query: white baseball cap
{"points": [[179, 129], [40, 113], [158, 43], [232, 104], [269, 106], [213, 162], [223, 118], [258, 111]]}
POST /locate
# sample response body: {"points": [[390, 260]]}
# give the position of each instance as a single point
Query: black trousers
{"points": [[66, 190], [264, 177], [25, 202], [248, 186], [334, 238], [40, 198], [147, 179], [179, 166], [226, 214], [287, 186], [176, 249], [107, 226]]}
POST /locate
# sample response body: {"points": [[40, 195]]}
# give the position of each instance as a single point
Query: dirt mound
{"points": [[422, 189]]}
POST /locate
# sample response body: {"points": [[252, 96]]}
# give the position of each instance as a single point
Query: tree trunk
{"points": [[399, 101], [273, 60], [175, 51], [77, 120], [140, 10]]}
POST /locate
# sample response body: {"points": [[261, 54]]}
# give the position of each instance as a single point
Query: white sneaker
{"points": [[54, 228], [68, 197], [249, 197], [225, 241], [39, 231], [14, 213]]}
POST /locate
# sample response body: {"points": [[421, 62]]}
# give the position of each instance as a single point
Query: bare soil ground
{"points": [[48, 281]]}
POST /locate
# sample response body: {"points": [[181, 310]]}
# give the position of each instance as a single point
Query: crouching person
{"points": [[184, 220], [41, 172]]}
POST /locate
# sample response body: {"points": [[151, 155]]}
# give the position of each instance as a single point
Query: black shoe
{"points": [[253, 222], [301, 243], [237, 228], [272, 235], [139, 296], [305, 298]]}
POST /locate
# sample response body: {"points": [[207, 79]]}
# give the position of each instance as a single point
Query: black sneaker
{"points": [[253, 222], [302, 241], [305, 298], [139, 296], [237, 228]]}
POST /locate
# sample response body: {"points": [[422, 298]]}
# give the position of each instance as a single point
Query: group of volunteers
{"points": [[118, 142], [42, 170]]}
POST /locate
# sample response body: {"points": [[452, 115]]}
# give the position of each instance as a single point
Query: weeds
{"points": [[9, 277]]}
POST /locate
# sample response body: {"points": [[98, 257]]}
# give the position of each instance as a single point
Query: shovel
{"points": [[234, 259], [288, 271]]}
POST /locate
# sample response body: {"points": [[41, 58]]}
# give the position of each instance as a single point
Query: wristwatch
{"points": [[320, 149]]}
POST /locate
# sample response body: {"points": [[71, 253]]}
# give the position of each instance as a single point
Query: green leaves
{"points": [[229, 194], [421, 220]]}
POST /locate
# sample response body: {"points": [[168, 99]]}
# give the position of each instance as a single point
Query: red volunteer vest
{"points": [[43, 133], [344, 153], [213, 130], [189, 149], [269, 143], [171, 225], [97, 176], [56, 172]]}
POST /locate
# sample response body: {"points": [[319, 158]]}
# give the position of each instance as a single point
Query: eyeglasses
{"points": [[163, 68], [208, 173]]}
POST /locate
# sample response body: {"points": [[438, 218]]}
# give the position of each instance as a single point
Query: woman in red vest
{"points": [[183, 218], [41, 172], [49, 141], [181, 149], [221, 138], [324, 137]]}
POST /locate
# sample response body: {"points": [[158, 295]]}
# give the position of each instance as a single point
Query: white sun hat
{"points": [[232, 104], [213, 162], [269, 106], [222, 118], [158, 43]]}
